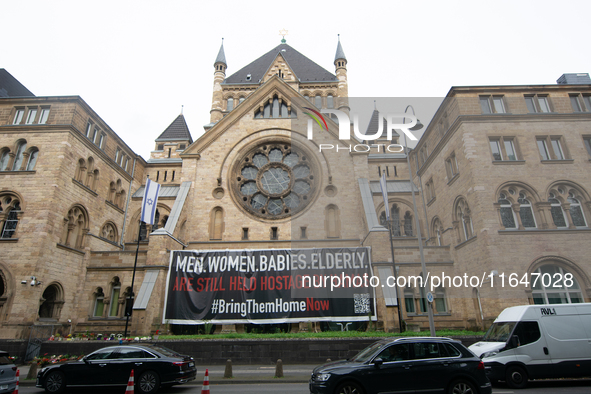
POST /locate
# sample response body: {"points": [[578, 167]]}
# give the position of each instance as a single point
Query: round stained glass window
{"points": [[273, 180]]}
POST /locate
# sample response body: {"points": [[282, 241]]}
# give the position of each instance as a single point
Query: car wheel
{"points": [[349, 388], [462, 387], [55, 382], [516, 377], [148, 382]]}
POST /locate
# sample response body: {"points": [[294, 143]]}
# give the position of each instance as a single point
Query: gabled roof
{"points": [[373, 125], [11, 87], [303, 68], [177, 131]]}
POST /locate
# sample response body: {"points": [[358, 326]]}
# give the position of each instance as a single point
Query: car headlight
{"points": [[490, 354], [322, 377]]}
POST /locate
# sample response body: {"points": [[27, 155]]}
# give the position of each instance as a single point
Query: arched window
{"points": [[216, 227], [526, 213], [462, 218], [240, 100], [143, 233], [558, 216], [18, 159], [4, 158], [109, 232], [576, 212], [275, 111], [408, 224], [332, 222], [555, 285], [329, 101], [318, 101], [112, 191], [33, 154], [9, 215], [230, 104], [438, 231], [75, 228], [395, 217], [508, 218], [383, 220], [115, 294], [99, 303], [80, 170]]}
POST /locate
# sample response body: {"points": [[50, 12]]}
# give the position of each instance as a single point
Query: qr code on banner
{"points": [[361, 303]]}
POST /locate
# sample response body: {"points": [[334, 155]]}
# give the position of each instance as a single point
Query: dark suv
{"points": [[426, 365]]}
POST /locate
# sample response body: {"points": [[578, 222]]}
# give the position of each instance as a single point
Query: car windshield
{"points": [[499, 332], [366, 353]]}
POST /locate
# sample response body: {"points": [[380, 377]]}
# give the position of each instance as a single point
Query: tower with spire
{"points": [[340, 63], [219, 75]]}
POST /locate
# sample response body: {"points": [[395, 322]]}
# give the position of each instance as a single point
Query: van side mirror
{"points": [[514, 341], [378, 362]]}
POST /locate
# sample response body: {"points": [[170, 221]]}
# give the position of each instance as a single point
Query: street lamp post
{"points": [[417, 223], [390, 230]]}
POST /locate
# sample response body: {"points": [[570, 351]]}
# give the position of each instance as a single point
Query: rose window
{"points": [[274, 181]]}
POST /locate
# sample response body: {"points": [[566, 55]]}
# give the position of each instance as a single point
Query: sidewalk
{"points": [[242, 374]]}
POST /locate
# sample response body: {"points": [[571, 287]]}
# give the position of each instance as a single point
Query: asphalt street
{"points": [[545, 387]]}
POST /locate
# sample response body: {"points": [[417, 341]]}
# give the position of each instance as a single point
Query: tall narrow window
{"points": [[245, 233], [507, 213], [4, 157], [586, 142], [329, 101], [495, 147], [408, 224], [318, 101], [543, 148], [274, 233], [217, 224], [230, 104], [114, 306], [576, 213], [303, 233], [275, 112], [18, 160], [557, 148], [558, 216], [32, 159], [99, 303], [409, 301], [526, 213], [11, 222], [510, 149]]}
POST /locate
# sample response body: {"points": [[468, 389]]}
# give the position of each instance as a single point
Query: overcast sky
{"points": [[137, 62]]}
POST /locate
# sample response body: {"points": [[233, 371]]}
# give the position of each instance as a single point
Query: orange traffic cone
{"points": [[17, 380], [129, 388], [205, 388]]}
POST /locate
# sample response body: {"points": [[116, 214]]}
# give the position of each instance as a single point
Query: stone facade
{"points": [[79, 192]]}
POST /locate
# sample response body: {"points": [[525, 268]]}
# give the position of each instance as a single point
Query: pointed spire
{"points": [[221, 55], [340, 53], [177, 130]]}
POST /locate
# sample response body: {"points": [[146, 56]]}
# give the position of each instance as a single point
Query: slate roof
{"points": [[340, 53], [221, 56], [373, 125], [177, 130], [11, 87], [304, 69]]}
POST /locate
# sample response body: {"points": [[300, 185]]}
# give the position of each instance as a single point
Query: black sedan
{"points": [[153, 366], [406, 365]]}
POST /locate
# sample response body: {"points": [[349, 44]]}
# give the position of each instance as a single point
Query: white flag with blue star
{"points": [[384, 187], [149, 202]]}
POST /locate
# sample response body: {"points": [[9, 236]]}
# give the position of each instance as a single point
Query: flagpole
{"points": [[131, 297]]}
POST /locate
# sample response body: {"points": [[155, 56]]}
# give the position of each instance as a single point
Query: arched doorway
{"points": [[51, 302]]}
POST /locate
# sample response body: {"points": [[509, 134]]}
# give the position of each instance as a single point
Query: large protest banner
{"points": [[269, 286]]}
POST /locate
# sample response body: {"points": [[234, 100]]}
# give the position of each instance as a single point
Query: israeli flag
{"points": [[149, 202], [384, 188]]}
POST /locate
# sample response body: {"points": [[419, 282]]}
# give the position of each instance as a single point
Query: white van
{"points": [[536, 342]]}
